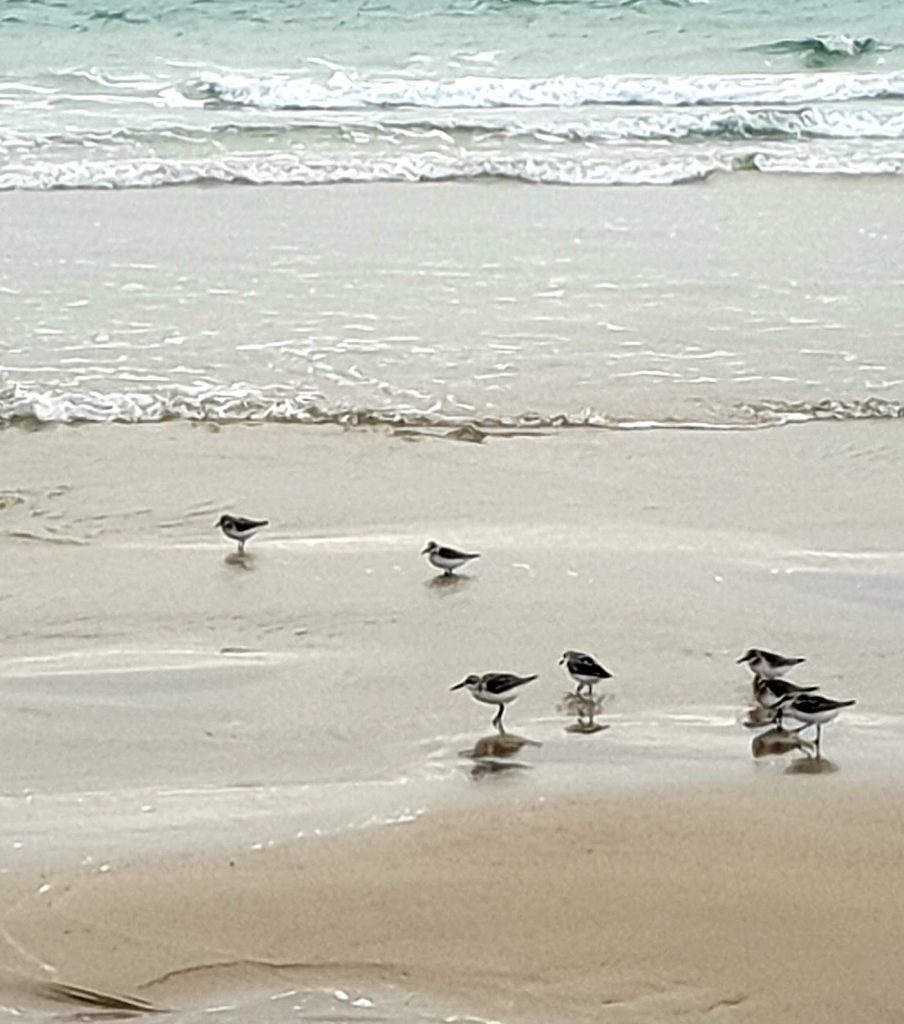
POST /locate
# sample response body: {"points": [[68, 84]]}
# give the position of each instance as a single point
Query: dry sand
{"points": [[172, 719], [782, 903]]}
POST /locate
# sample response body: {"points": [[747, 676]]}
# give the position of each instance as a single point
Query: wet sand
{"points": [[169, 711]]}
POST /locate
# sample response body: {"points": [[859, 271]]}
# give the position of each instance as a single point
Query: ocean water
{"points": [[137, 94], [594, 94]]}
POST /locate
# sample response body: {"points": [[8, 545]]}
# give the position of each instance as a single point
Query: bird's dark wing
{"points": [[777, 660], [584, 665], [781, 687], [502, 682], [452, 553], [248, 524], [812, 704]]}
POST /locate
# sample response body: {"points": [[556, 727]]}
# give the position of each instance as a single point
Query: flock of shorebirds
{"points": [[775, 696], [778, 696]]}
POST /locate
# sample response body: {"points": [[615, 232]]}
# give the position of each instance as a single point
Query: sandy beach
{"points": [[776, 902], [202, 756], [608, 292]]}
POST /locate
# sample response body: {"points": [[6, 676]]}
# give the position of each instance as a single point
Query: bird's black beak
{"points": [[562, 660], [741, 660], [425, 550], [458, 686]]}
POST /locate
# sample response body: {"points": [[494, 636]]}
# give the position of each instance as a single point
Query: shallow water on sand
{"points": [[308, 685], [553, 307]]}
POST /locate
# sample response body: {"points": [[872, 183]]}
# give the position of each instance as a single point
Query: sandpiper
{"points": [[812, 709], [766, 665], [498, 688], [240, 530], [447, 559], [771, 693], [584, 670]]}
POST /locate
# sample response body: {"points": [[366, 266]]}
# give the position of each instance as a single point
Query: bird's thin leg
{"points": [[818, 741], [241, 547], [497, 721]]}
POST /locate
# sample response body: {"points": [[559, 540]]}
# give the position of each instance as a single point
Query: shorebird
{"points": [[498, 688], [584, 670], [812, 709], [447, 559], [240, 530], [771, 693], [766, 665]]}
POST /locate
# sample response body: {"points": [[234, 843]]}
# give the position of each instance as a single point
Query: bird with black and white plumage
{"points": [[766, 665], [814, 709], [499, 688], [772, 693], [447, 559], [240, 529], [584, 669]]}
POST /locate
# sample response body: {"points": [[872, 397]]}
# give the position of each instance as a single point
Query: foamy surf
{"points": [[239, 403], [348, 91]]}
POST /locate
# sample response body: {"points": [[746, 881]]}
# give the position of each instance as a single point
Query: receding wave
{"points": [[285, 169], [22, 406], [343, 91]]}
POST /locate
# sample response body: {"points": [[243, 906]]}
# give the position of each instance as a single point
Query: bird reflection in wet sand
{"points": [[448, 583], [758, 717], [495, 753], [780, 741], [585, 708], [239, 561], [811, 766]]}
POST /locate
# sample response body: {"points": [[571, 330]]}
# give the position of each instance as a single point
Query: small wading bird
{"points": [[240, 530], [766, 665], [447, 559], [498, 688], [771, 693], [584, 670], [812, 709]]}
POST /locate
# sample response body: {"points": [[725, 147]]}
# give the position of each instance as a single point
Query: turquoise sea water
{"points": [[607, 314], [127, 94]]}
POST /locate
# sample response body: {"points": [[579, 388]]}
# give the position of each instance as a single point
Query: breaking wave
{"points": [[343, 91], [22, 406], [230, 127], [472, 128], [279, 169], [824, 50]]}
